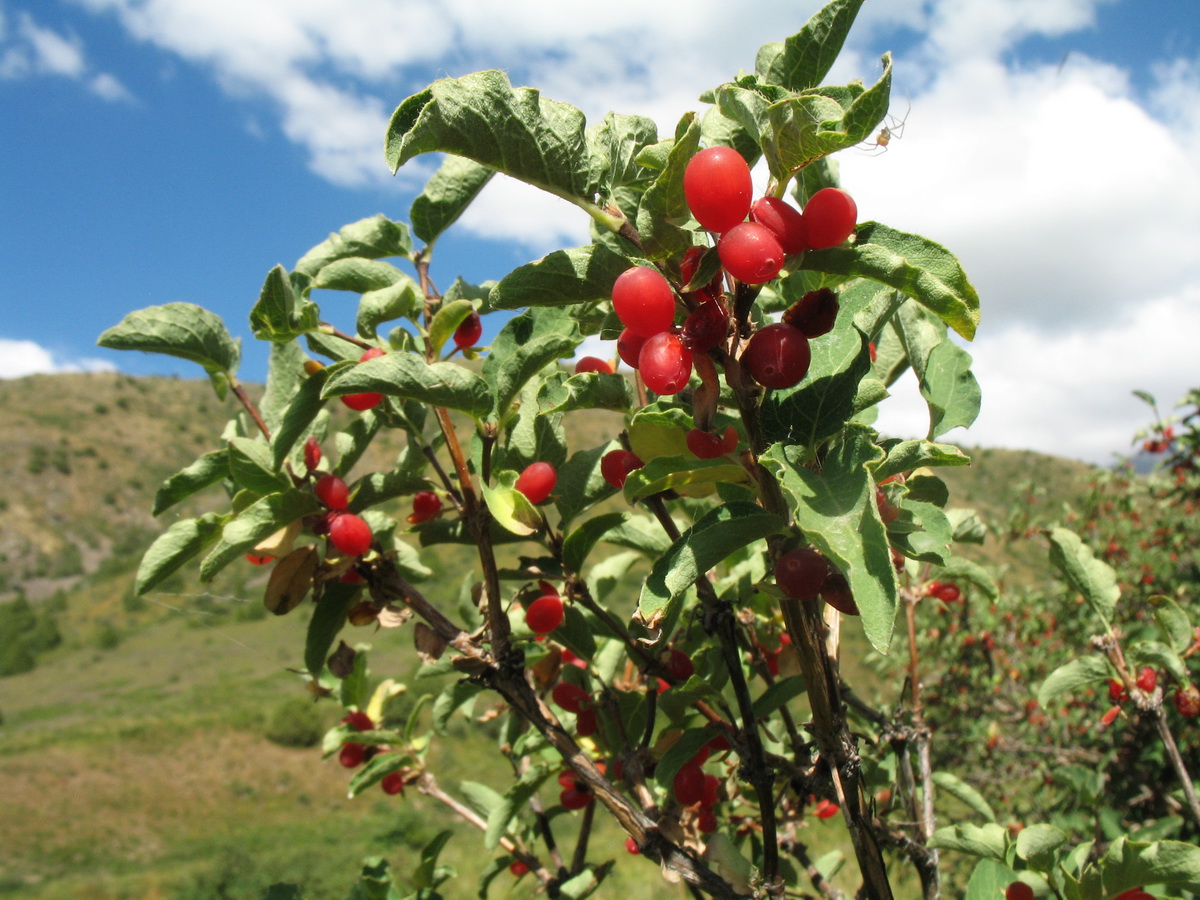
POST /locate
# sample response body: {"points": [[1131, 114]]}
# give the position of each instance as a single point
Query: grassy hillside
{"points": [[133, 759]]}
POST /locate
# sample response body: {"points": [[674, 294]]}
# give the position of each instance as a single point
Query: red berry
{"points": [[349, 534], [544, 614], [518, 868], [392, 783], [587, 723], [629, 347], [1187, 701], [1116, 690], [751, 253], [615, 466], [947, 593], [707, 820], [570, 697], [352, 755], [468, 332], [718, 188], [801, 573], [359, 721], [576, 797], [426, 505], [312, 453], [836, 592], [815, 313], [631, 846], [537, 481], [566, 778], [1111, 716], [665, 364], [783, 220], [712, 788], [1018, 890], [689, 784], [1147, 679], [826, 809], [705, 327], [570, 659], [332, 492], [643, 301], [593, 364], [777, 356], [256, 560], [829, 218], [361, 402], [679, 665], [1134, 894]]}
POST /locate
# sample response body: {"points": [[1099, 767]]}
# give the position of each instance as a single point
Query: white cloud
{"points": [[21, 358], [53, 53], [107, 87], [36, 50]]}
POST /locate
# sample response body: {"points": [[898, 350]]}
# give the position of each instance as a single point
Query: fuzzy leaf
{"points": [[407, 375], [174, 547], [1092, 577], [183, 330], [805, 58], [562, 278], [207, 470], [1085, 670], [446, 196], [371, 238], [279, 315]]}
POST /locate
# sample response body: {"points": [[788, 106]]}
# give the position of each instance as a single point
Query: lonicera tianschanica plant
{"points": [[707, 716]]}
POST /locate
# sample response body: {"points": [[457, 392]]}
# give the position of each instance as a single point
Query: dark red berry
{"points": [[1187, 701], [593, 364], [576, 797], [777, 356], [392, 783], [615, 466], [518, 868], [947, 593], [689, 784], [544, 614], [332, 492], [312, 453], [467, 334], [352, 755], [679, 665], [358, 720], [710, 446], [801, 573], [570, 697], [537, 481], [426, 505], [706, 821], [643, 301], [706, 326], [751, 253], [712, 788], [836, 592], [718, 188], [587, 723], [1116, 690], [829, 218], [665, 364], [349, 534], [1018, 890], [783, 220], [361, 402], [814, 313]]}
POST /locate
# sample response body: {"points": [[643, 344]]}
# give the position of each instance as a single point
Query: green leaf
{"points": [[371, 238], [584, 884], [282, 891], [483, 118], [446, 196], [1037, 844], [358, 275], [960, 570], [352, 442], [207, 470], [511, 509], [450, 701], [904, 456], [379, 766], [917, 266], [259, 520], [579, 543], [174, 547], [303, 409], [824, 401], [1129, 864], [378, 487], [515, 799], [805, 58], [562, 278], [183, 330], [778, 695], [400, 299], [615, 145], [285, 374], [987, 841], [407, 375], [950, 389], [836, 510], [989, 880], [1158, 655], [588, 390], [428, 874], [663, 210], [1072, 676], [1172, 621], [716, 535], [965, 793], [446, 321], [279, 316], [1092, 577], [581, 484], [480, 797], [679, 473], [526, 345], [251, 466], [327, 620]]}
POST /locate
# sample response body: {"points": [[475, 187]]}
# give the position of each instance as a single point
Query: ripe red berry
{"points": [[361, 402], [826, 809], [1147, 679], [537, 481], [426, 505], [947, 593], [1116, 690], [570, 697], [836, 592], [629, 347], [593, 364], [312, 453], [706, 326], [710, 446], [829, 218], [712, 789], [576, 797], [392, 783], [665, 364], [332, 492], [256, 560], [518, 868], [751, 253], [544, 614], [631, 846], [777, 356], [358, 720], [1111, 716], [801, 573], [616, 465], [587, 723], [352, 755], [349, 534], [689, 784], [815, 313], [1018, 890], [783, 220], [468, 332], [718, 188], [1134, 894], [679, 665], [643, 301], [1187, 701], [570, 659]]}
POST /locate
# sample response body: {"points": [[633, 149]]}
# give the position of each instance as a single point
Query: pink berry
{"points": [[312, 453], [801, 573], [537, 481]]}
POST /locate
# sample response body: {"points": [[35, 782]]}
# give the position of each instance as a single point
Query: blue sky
{"points": [[159, 150]]}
